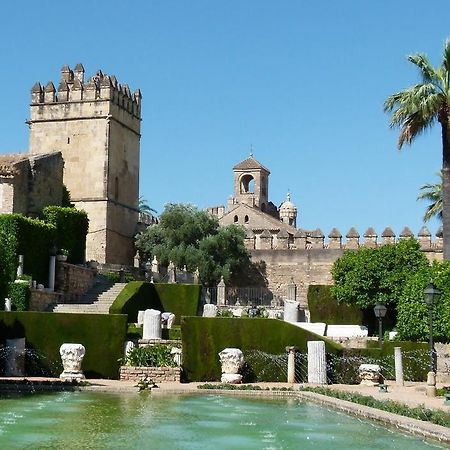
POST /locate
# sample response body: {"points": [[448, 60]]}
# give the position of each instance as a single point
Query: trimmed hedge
{"points": [[71, 230], [180, 299], [325, 308], [102, 335], [203, 338], [20, 295], [20, 235]]}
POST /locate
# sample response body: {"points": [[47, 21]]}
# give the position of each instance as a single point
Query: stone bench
{"points": [[349, 331], [314, 327]]}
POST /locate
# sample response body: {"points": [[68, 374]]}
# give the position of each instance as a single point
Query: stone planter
{"points": [[61, 258], [156, 374]]}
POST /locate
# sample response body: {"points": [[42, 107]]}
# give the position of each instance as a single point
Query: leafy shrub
{"points": [[20, 295], [412, 318], [20, 235], [71, 230], [152, 356]]}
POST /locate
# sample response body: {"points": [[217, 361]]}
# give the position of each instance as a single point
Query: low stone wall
{"points": [[41, 300], [73, 281], [156, 374]]}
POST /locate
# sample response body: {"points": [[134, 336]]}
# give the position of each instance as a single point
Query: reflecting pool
{"points": [[87, 420]]}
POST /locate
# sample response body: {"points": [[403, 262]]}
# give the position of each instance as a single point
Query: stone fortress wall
{"points": [[307, 259]]}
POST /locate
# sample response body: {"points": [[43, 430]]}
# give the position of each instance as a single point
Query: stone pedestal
{"points": [[370, 374], [167, 319], [221, 292], [317, 364], [7, 304], [15, 357], [431, 384], [152, 324], [291, 311], [140, 318], [231, 360], [72, 356], [20, 267], [210, 310], [398, 366]]}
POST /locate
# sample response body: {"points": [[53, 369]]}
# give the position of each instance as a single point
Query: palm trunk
{"points": [[445, 122]]}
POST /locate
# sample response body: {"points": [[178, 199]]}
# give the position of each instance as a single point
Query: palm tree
{"points": [[432, 193], [418, 108], [144, 207]]}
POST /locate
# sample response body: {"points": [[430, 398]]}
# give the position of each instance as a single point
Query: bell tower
{"points": [[251, 184]]}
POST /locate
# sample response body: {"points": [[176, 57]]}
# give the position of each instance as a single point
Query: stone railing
{"points": [[41, 300], [156, 374], [303, 239], [73, 281]]}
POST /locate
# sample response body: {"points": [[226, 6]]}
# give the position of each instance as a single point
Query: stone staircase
{"points": [[96, 301]]}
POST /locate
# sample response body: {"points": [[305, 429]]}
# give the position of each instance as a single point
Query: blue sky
{"points": [[303, 82]]}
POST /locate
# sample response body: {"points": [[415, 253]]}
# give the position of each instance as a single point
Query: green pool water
{"points": [[86, 420]]}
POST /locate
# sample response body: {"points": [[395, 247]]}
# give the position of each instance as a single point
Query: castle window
{"points": [[247, 184], [246, 219], [235, 219], [68, 140]]}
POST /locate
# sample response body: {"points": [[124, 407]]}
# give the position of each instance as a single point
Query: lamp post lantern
{"points": [[380, 312], [431, 293]]}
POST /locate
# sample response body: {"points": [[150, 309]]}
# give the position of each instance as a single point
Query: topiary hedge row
{"points": [[102, 335], [180, 299], [204, 338], [20, 235], [325, 308], [71, 230], [20, 295]]}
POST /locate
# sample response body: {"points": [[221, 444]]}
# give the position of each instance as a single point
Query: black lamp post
{"points": [[430, 293], [380, 311]]}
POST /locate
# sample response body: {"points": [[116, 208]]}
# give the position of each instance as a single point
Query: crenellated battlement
{"points": [[265, 239], [73, 88]]}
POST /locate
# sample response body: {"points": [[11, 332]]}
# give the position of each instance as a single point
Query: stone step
{"points": [[97, 301]]}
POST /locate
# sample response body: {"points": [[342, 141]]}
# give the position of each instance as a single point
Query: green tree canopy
{"points": [[412, 311], [193, 238], [376, 275]]}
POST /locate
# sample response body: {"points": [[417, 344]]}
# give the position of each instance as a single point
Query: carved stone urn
{"points": [[72, 356], [231, 360]]}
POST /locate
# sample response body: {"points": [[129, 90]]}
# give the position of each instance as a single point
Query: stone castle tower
{"points": [[95, 124]]}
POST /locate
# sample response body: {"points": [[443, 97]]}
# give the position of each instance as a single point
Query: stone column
{"points": [[51, 273], [15, 357], [221, 292], [291, 364], [291, 311], [317, 365], [171, 273], [7, 304], [431, 384], [140, 318], [152, 324], [292, 291], [20, 267], [398, 366]]}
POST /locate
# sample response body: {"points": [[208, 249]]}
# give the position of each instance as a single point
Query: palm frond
{"points": [[446, 61], [427, 71], [433, 194]]}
